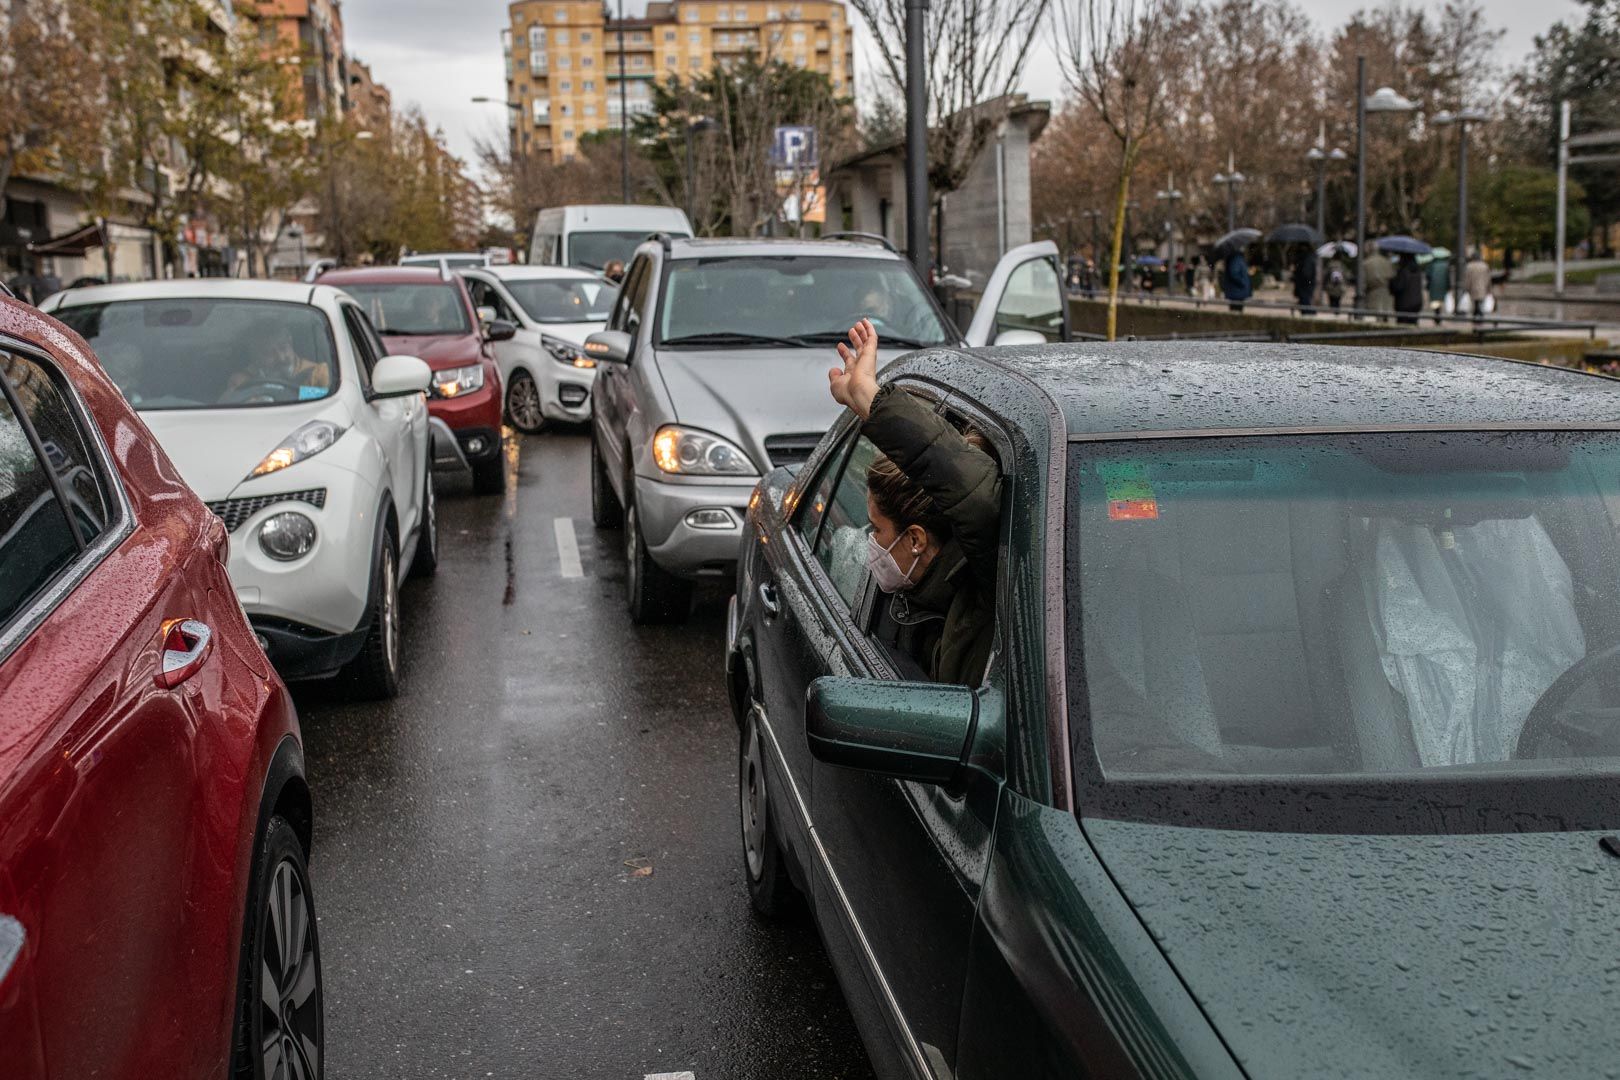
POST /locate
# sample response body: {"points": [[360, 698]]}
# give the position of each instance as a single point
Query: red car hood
{"points": [[440, 351]]}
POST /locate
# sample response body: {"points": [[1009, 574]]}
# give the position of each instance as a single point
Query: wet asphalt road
{"points": [[477, 840]]}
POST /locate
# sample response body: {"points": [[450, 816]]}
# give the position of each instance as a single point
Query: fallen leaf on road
{"points": [[639, 867]]}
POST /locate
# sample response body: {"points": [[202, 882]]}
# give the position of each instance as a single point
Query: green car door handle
{"points": [[768, 601]]}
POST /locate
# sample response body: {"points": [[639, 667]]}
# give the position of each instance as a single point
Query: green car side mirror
{"points": [[913, 731]]}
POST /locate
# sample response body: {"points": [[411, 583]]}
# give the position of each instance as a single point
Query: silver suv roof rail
{"points": [[865, 237]]}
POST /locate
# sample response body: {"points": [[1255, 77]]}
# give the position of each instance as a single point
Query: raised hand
{"points": [[855, 384]]}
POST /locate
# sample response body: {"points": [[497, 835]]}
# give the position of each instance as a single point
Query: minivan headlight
{"points": [[306, 442], [453, 382], [564, 353], [697, 453]]}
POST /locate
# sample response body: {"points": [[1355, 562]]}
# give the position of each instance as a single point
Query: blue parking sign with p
{"points": [[794, 148]]}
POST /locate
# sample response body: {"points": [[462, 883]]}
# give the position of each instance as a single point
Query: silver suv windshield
{"points": [[793, 300]]}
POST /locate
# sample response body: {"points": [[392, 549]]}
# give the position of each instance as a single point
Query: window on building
{"points": [[564, 108], [669, 35], [562, 37], [772, 13], [638, 61], [672, 60], [584, 36], [723, 15], [537, 37], [568, 133], [565, 86], [694, 63], [695, 37], [542, 111], [741, 14], [590, 108], [691, 13], [563, 61], [798, 37], [587, 61], [560, 15], [588, 86]]}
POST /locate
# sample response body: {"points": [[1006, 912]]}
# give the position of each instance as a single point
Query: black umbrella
{"points": [[1236, 240], [1294, 234], [1403, 245]]}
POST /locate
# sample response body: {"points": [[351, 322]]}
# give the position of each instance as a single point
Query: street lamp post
{"points": [[1319, 155], [1384, 99], [624, 119], [1461, 119], [1172, 196], [917, 137], [1231, 179]]}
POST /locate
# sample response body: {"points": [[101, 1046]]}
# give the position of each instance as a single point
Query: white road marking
{"points": [[568, 550], [672, 1076]]}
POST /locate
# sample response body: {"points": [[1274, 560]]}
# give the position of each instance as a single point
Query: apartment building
{"points": [[315, 29], [562, 57]]}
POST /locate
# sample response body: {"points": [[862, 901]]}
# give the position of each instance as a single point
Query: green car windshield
{"points": [[1395, 606]]}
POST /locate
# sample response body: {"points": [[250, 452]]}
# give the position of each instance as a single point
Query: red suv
{"points": [[156, 917], [426, 313]]}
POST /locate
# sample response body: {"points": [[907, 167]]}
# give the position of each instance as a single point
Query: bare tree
{"points": [[976, 52], [1115, 55]]}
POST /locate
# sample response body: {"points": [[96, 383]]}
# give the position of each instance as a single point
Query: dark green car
{"points": [[1300, 752]]}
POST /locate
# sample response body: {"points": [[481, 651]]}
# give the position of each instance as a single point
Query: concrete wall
{"points": [[973, 234]]}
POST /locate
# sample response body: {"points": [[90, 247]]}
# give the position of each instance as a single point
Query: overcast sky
{"points": [[441, 53]]}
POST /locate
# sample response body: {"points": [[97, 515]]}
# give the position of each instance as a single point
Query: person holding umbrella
{"points": [[1376, 274], [1334, 277], [1477, 282], [1439, 274], [1408, 289], [1305, 280], [1235, 283]]}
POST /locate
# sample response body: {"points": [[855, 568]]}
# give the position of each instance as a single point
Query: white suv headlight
{"points": [[697, 453], [564, 353], [306, 442], [453, 382]]}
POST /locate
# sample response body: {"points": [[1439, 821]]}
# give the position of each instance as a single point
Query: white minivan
{"points": [[590, 237]]}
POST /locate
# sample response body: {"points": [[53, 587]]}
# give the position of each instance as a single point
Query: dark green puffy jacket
{"points": [[949, 616]]}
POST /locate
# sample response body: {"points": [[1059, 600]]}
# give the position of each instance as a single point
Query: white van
{"points": [[590, 237]]}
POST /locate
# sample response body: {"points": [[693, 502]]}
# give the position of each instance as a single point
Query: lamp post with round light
{"points": [[1171, 196], [1231, 180], [1460, 120], [1382, 100], [1319, 156]]}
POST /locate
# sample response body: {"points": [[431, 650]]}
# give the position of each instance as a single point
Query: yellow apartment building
{"points": [[562, 60]]}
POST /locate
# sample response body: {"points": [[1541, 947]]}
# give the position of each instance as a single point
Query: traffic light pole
{"points": [[916, 137]]}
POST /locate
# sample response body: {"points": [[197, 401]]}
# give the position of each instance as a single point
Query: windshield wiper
{"points": [[730, 337], [831, 337]]}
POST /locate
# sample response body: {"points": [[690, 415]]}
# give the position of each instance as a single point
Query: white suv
{"points": [[278, 406]]}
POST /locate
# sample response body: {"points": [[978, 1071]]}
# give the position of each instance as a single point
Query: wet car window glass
{"points": [[1032, 301], [1369, 604], [36, 541], [412, 309], [814, 509], [66, 448], [190, 353], [594, 250], [564, 301], [841, 546], [781, 299]]}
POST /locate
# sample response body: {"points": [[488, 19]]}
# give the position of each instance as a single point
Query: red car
{"points": [[156, 916], [426, 313]]}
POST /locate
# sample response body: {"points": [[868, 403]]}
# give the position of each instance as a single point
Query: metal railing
{"points": [[1418, 319]]}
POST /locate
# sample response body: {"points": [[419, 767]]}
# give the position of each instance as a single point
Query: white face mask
{"points": [[885, 571]]}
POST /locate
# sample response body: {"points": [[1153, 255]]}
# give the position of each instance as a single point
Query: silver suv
{"points": [[712, 370]]}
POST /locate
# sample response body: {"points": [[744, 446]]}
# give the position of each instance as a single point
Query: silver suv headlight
{"points": [[690, 452]]}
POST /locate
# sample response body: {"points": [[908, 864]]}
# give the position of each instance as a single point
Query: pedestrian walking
{"points": [[1477, 282], [1305, 280], [1235, 283], [1333, 282], [1376, 274], [1407, 289], [1203, 285], [1439, 275]]}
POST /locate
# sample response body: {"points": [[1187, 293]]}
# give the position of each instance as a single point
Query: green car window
{"points": [[841, 544], [1339, 605]]}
